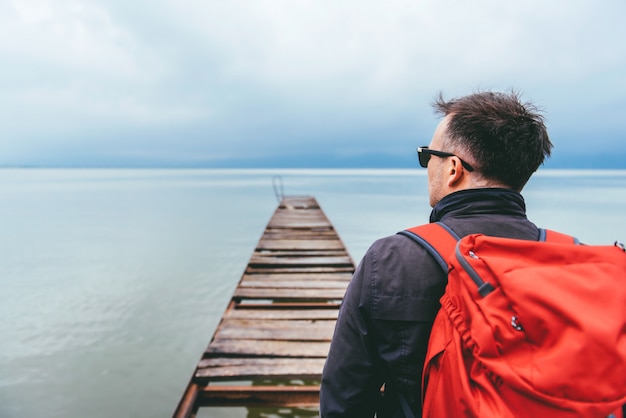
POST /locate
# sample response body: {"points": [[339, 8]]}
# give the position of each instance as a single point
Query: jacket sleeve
{"points": [[350, 384]]}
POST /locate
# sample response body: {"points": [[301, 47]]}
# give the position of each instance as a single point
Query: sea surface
{"points": [[112, 281]]}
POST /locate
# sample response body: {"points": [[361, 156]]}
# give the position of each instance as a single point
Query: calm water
{"points": [[112, 281]]}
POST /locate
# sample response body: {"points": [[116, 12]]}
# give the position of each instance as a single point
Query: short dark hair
{"points": [[506, 137]]}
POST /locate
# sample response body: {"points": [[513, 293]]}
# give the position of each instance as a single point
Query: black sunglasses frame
{"points": [[424, 153]]}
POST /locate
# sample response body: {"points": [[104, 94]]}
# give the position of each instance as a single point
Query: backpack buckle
{"points": [[515, 323], [620, 245]]}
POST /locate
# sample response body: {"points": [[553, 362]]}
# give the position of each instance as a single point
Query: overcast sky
{"points": [[297, 83]]}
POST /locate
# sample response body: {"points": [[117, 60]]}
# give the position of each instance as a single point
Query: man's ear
{"points": [[456, 172]]}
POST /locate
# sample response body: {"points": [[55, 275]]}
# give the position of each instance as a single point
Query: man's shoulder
{"points": [[404, 280], [398, 245], [390, 241]]}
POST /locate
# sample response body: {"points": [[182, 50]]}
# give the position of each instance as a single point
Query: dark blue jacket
{"points": [[386, 315]]}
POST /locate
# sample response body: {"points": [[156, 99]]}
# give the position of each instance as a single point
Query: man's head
{"points": [[503, 141]]}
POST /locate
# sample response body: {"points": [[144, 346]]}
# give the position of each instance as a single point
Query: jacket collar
{"points": [[480, 201]]}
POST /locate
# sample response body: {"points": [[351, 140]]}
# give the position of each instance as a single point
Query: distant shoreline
{"points": [[317, 171]]}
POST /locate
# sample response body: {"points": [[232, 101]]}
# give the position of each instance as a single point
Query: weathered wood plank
{"points": [[292, 244], [288, 330], [291, 269], [310, 314], [263, 260], [286, 304], [289, 294], [276, 348], [299, 234], [299, 202], [306, 236], [301, 215], [299, 212], [300, 253], [277, 368], [257, 396], [298, 224], [216, 362], [309, 277], [295, 285], [299, 219]]}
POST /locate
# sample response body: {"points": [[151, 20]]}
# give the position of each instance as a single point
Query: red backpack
{"points": [[526, 328]]}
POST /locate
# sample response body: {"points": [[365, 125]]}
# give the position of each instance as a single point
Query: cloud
{"points": [[212, 80]]}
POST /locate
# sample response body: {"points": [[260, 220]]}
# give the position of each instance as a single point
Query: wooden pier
{"points": [[270, 346]]}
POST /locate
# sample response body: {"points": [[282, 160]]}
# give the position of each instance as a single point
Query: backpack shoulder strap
{"points": [[556, 237], [436, 238], [439, 240]]}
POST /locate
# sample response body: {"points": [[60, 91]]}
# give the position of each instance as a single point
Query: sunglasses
{"points": [[424, 153]]}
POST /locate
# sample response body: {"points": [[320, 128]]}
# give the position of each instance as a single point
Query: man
{"points": [[481, 155]]}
